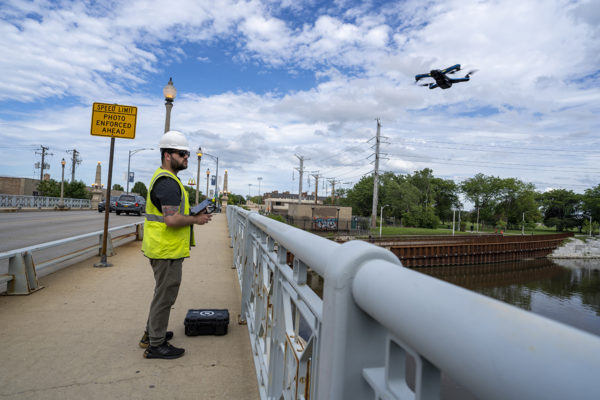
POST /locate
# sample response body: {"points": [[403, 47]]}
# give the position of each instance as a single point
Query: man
{"points": [[168, 235]]}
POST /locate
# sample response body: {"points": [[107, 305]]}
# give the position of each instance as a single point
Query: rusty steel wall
{"points": [[482, 249]]}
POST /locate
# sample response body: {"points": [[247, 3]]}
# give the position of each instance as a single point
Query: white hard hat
{"points": [[174, 140]]}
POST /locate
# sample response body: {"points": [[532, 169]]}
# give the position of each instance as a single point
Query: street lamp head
{"points": [[169, 91], [63, 162], [207, 172], [199, 152]]}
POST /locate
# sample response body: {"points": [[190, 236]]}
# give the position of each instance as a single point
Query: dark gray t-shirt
{"points": [[165, 192]]}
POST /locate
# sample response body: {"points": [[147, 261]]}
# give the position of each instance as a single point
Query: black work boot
{"points": [[165, 351], [145, 340]]}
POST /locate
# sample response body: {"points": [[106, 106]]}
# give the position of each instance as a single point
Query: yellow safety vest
{"points": [[161, 241]]}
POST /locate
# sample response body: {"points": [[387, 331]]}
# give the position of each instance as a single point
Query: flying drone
{"points": [[441, 78]]}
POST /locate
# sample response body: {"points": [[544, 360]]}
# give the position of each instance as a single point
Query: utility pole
{"points": [[43, 164], [301, 173], [332, 181], [376, 176], [316, 176], [75, 161]]}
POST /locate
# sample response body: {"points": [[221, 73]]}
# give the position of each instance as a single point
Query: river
{"points": [[567, 291]]}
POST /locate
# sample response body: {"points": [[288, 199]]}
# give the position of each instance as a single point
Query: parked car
{"points": [[113, 207], [129, 203]]}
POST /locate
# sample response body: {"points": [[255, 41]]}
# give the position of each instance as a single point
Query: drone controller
{"points": [[206, 206]]}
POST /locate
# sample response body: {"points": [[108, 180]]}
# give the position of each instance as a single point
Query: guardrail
{"points": [[15, 201], [375, 315], [23, 271]]}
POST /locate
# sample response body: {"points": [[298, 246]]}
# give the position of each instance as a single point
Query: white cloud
{"points": [[530, 90]]}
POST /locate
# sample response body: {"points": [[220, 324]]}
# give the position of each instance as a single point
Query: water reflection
{"points": [[564, 290]]}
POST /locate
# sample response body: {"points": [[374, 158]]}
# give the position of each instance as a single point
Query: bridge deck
{"points": [[78, 337]]}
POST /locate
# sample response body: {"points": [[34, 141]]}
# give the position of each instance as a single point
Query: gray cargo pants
{"points": [[167, 274]]}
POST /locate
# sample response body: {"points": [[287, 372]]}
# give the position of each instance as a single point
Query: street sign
{"points": [[113, 120], [131, 175]]}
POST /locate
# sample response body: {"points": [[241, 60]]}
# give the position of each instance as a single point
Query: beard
{"points": [[178, 166]]}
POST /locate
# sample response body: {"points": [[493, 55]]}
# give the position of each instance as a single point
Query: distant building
{"points": [[280, 205], [318, 217], [18, 186]]}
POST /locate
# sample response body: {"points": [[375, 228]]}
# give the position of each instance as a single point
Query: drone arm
{"points": [[421, 76], [452, 69], [466, 78]]}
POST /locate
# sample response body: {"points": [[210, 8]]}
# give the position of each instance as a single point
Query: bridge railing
{"points": [[16, 201], [376, 315], [20, 268]]}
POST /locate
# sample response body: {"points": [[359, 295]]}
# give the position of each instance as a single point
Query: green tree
{"points": [[482, 191], [256, 199], [562, 209], [513, 198], [140, 188], [591, 203], [236, 199], [422, 217], [116, 186], [423, 181], [401, 195], [49, 188], [76, 190], [446, 198], [360, 197]]}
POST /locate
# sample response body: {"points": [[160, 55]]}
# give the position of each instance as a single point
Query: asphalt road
{"points": [[23, 229]]}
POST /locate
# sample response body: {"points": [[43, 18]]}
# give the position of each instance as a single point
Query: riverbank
{"points": [[578, 248]]}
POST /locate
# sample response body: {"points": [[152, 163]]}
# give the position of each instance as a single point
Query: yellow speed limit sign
{"points": [[113, 120]]}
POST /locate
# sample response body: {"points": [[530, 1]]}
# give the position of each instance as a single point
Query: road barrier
{"points": [[23, 271], [376, 315]]}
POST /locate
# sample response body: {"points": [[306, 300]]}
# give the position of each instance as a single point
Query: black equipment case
{"points": [[206, 322]]}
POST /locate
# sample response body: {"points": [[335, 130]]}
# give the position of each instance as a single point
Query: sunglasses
{"points": [[182, 153]]}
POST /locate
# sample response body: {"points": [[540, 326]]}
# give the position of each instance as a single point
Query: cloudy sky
{"points": [[259, 82]]}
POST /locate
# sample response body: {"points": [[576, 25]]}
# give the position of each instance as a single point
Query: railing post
{"points": [[350, 339], [139, 232], [25, 281], [109, 247]]}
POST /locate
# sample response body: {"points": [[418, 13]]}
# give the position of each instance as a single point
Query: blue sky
{"points": [[261, 81]]}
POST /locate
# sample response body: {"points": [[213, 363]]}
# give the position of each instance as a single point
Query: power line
{"points": [[477, 147], [467, 163]]}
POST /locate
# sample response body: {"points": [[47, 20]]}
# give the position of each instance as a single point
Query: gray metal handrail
{"points": [[375, 314]]}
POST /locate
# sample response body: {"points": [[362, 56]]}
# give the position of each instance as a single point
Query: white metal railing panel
{"points": [[375, 315]]}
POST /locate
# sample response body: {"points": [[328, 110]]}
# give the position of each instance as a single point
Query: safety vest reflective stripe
{"points": [[156, 218]]}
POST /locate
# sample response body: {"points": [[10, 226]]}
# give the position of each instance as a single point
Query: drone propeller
{"points": [[471, 73], [423, 84]]}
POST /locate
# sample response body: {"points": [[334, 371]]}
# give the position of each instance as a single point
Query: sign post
{"points": [[111, 120]]}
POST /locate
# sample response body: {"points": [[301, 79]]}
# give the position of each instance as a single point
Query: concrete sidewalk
{"points": [[78, 337]]}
